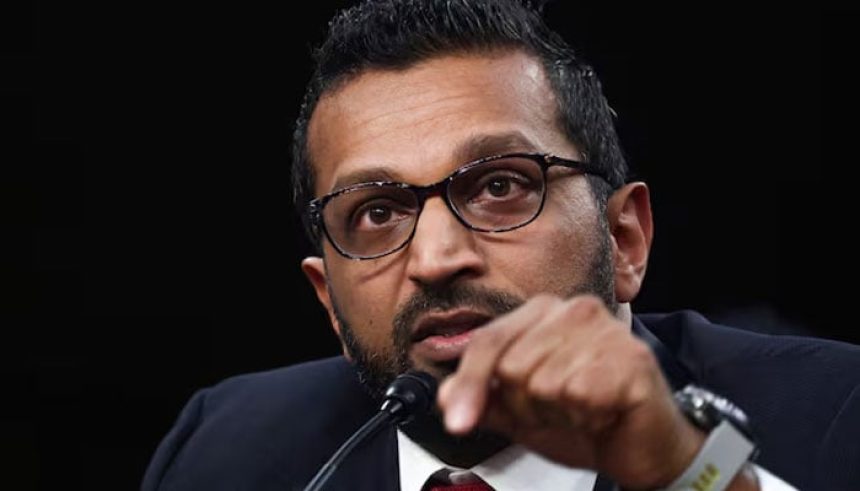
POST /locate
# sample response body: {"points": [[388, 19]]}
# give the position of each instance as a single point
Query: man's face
{"points": [[415, 308]]}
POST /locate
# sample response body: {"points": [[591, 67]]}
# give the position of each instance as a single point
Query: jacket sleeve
{"points": [[173, 443], [837, 467]]}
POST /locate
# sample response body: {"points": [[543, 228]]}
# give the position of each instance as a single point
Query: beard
{"points": [[377, 369]]}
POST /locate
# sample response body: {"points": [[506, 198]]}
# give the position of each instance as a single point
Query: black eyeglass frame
{"points": [[316, 206]]}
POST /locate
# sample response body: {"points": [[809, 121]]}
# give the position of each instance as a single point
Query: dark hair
{"points": [[397, 34]]}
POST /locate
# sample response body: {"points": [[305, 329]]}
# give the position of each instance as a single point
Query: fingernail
{"points": [[457, 417]]}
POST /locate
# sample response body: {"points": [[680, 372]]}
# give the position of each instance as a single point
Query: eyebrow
{"points": [[472, 148]]}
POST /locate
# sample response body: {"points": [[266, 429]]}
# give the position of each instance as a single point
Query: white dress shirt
{"points": [[516, 468]]}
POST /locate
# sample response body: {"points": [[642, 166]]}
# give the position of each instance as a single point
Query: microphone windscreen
{"points": [[415, 390]]}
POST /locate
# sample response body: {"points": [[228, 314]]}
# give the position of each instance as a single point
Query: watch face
{"points": [[706, 410]]}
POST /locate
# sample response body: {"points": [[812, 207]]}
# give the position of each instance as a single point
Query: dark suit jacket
{"points": [[273, 430]]}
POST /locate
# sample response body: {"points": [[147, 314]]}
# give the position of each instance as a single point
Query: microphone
{"points": [[411, 393]]}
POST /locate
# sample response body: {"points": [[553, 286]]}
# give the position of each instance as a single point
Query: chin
{"points": [[439, 370]]}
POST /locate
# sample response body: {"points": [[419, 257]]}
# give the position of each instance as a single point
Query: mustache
{"points": [[481, 299]]}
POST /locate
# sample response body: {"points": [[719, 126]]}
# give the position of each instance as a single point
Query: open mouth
{"points": [[448, 325], [444, 337]]}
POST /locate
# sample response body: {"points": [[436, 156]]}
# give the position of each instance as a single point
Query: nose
{"points": [[442, 250]]}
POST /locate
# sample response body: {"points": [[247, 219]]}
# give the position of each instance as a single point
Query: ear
{"points": [[632, 230], [314, 269]]}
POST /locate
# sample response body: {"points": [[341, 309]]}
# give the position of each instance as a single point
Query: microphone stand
{"points": [[376, 423], [410, 393]]}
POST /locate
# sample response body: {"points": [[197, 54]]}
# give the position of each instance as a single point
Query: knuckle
{"points": [[591, 301], [586, 397], [486, 338], [544, 301], [640, 353], [575, 392], [544, 387], [510, 370], [585, 307]]}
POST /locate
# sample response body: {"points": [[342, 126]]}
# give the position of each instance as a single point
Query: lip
{"points": [[444, 336]]}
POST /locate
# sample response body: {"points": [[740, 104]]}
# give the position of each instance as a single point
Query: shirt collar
{"points": [[513, 469]]}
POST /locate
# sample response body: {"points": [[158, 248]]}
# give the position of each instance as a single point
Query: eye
{"points": [[499, 187], [378, 215]]}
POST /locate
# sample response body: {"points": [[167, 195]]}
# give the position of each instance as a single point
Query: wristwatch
{"points": [[730, 444]]}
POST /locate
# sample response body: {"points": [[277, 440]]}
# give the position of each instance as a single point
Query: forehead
{"points": [[418, 124]]}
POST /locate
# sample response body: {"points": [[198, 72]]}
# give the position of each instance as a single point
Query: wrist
{"points": [[688, 442], [722, 461]]}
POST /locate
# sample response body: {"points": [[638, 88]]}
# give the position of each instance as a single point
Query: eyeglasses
{"points": [[493, 194]]}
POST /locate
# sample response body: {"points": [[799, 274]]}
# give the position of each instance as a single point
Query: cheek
{"points": [[369, 308], [553, 254], [553, 266]]}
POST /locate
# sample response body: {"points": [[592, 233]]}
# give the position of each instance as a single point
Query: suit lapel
{"points": [[372, 467], [675, 373]]}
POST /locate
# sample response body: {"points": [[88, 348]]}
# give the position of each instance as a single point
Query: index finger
{"points": [[463, 396]]}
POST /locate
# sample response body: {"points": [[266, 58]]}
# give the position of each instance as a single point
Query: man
{"points": [[464, 183]]}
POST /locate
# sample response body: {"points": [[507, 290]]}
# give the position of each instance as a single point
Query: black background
{"points": [[150, 248]]}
